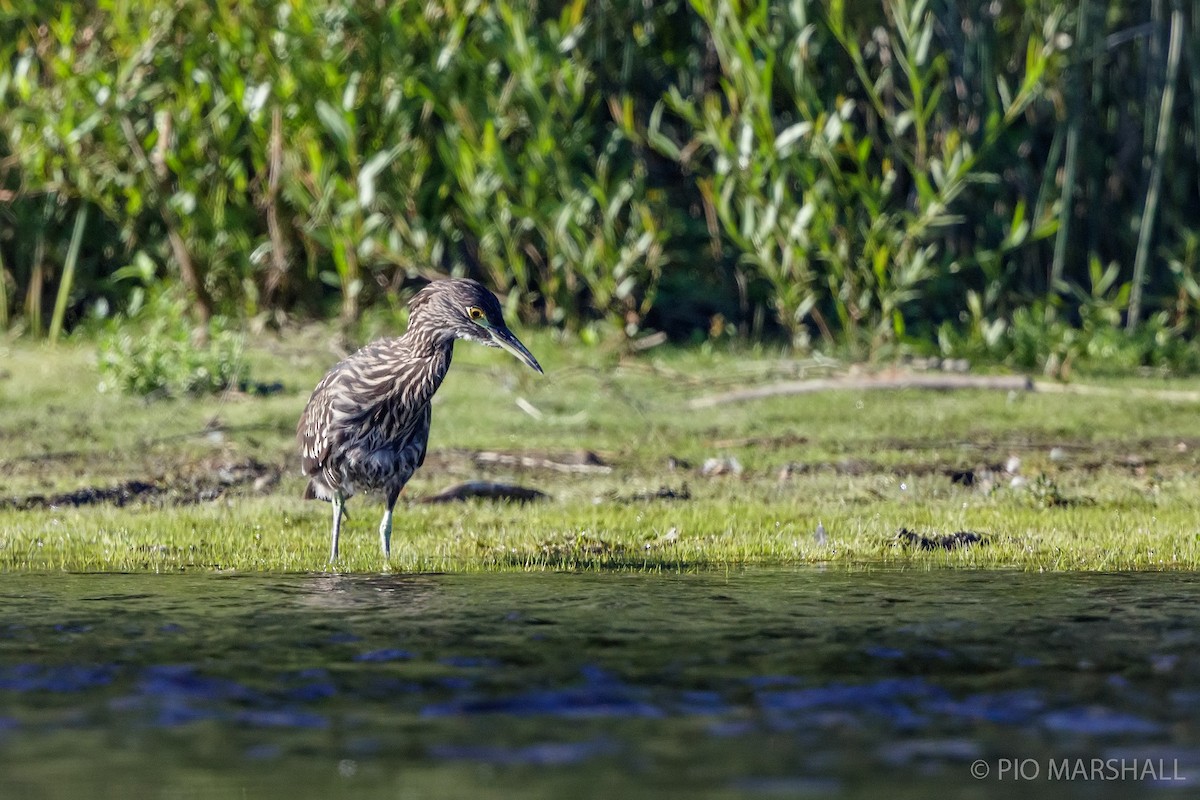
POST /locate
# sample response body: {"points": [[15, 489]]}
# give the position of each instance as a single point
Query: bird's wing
{"points": [[313, 431], [423, 437]]}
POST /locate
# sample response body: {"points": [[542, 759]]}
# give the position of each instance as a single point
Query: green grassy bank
{"points": [[1098, 480]]}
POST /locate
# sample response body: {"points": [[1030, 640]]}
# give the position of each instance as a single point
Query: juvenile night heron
{"points": [[367, 422]]}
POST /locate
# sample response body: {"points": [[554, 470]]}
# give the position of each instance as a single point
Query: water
{"points": [[798, 683]]}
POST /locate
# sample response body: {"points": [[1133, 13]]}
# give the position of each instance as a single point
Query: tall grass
{"points": [[855, 174]]}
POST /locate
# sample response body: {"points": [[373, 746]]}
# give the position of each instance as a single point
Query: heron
{"points": [[366, 426]]}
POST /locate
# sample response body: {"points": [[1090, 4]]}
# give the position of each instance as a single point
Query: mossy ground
{"points": [[1105, 482]]}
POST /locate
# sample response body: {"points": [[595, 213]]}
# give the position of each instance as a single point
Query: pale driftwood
{"points": [[581, 462], [940, 382], [930, 381], [1167, 395]]}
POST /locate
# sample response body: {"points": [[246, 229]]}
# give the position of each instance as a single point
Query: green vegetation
{"points": [[196, 190], [1106, 479], [155, 352], [979, 180]]}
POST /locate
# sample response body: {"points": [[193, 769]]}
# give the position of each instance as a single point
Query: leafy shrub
{"points": [[156, 352], [293, 148], [1044, 336], [869, 173], [838, 201]]}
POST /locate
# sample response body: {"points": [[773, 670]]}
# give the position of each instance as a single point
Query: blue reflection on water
{"points": [[884, 652], [888, 697], [1016, 707], [584, 701], [386, 654], [181, 680], [1098, 721], [175, 695], [468, 662], [600, 695], [56, 678], [172, 695]]}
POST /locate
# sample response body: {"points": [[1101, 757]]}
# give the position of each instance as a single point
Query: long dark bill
{"points": [[512, 344]]}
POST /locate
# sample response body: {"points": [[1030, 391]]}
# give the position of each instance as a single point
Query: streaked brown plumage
{"points": [[367, 423]]}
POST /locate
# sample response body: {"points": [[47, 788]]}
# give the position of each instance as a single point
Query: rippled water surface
{"points": [[751, 684]]}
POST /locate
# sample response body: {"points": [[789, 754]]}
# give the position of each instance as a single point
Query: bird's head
{"points": [[464, 309]]}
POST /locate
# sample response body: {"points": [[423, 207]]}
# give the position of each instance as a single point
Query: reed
{"points": [[68, 277], [1150, 210]]}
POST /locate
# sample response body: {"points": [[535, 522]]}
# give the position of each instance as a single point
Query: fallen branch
{"points": [[933, 382], [939, 383], [1169, 395], [581, 462]]}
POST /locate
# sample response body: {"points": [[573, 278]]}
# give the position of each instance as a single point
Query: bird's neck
{"points": [[427, 359]]}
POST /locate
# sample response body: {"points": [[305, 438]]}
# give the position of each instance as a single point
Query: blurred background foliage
{"points": [[1011, 181]]}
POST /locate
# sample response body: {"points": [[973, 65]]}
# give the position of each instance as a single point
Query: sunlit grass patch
{"points": [[1047, 480]]}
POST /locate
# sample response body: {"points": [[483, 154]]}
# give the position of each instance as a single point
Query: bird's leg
{"points": [[339, 504], [385, 527]]}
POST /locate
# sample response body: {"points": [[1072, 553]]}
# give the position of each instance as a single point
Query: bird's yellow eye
{"points": [[475, 312]]}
